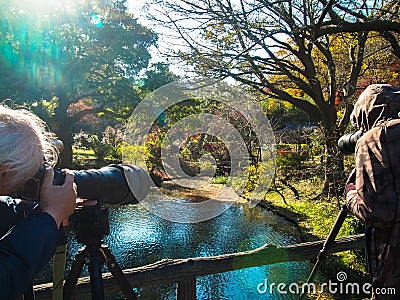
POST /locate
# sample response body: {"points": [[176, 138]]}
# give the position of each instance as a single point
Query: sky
{"points": [[135, 6]]}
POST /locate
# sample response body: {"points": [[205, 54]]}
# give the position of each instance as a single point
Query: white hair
{"points": [[24, 143]]}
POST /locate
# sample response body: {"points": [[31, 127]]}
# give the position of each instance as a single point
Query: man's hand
{"points": [[58, 201]]}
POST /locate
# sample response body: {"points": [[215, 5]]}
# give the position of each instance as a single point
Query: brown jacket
{"points": [[376, 194], [376, 197]]}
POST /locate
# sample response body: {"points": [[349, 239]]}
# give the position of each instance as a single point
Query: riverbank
{"points": [[314, 217], [311, 215]]}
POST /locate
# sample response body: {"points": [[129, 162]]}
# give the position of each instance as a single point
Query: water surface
{"points": [[138, 237]]}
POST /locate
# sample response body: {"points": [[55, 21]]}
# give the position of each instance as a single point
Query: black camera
{"points": [[347, 143], [113, 184]]}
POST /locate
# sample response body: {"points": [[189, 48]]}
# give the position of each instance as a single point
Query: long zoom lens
{"points": [[347, 143], [114, 184]]}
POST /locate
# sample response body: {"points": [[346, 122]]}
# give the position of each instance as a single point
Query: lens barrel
{"points": [[114, 184], [347, 143]]}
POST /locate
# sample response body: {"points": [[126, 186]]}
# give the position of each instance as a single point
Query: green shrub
{"points": [[220, 180]]}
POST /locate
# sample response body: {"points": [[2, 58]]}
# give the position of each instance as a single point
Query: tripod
{"points": [[91, 224], [327, 245]]}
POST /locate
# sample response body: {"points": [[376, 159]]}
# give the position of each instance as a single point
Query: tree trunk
{"points": [[334, 167], [64, 133], [61, 126]]}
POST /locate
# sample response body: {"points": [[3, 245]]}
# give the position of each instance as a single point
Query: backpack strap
{"points": [[371, 263], [396, 189]]}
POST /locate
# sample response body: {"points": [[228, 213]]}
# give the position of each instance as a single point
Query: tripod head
{"points": [[90, 224]]}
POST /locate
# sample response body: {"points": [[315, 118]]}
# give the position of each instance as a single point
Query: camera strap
{"points": [[59, 266]]}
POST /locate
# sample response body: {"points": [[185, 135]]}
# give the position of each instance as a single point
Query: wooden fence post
{"points": [[186, 289]]}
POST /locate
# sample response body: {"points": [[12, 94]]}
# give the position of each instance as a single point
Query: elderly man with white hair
{"points": [[28, 236]]}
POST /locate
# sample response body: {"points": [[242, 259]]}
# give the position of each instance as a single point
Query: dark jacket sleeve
{"points": [[24, 250]]}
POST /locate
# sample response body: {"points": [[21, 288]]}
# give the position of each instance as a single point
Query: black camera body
{"points": [[113, 184]]}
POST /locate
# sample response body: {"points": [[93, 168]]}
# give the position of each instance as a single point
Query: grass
{"points": [[84, 153], [86, 158], [220, 180], [317, 216]]}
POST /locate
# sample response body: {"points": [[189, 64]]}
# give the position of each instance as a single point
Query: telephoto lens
{"points": [[347, 143], [113, 184]]}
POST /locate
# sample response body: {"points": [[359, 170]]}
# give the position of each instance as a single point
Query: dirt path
{"points": [[200, 194], [219, 192]]}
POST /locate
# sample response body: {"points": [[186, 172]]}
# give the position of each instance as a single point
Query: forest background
{"points": [[84, 66]]}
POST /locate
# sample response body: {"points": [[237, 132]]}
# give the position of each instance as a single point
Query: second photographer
{"points": [[373, 189]]}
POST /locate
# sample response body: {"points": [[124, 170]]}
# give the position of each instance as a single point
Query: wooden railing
{"points": [[183, 272]]}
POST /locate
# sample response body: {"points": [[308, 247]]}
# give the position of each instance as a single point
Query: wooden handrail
{"points": [[185, 271]]}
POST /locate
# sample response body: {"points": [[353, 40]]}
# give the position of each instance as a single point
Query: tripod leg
{"points": [[74, 273], [327, 245], [117, 273], [96, 260]]}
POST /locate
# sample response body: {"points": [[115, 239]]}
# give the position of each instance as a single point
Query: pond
{"points": [[138, 237]]}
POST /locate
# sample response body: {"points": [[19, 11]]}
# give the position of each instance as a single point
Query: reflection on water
{"points": [[138, 237]]}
